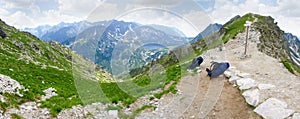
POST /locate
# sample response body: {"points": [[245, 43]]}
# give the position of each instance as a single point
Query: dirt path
{"points": [[232, 105], [200, 97], [217, 99]]}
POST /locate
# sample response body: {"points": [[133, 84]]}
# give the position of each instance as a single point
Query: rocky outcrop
{"points": [[9, 85], [272, 41], [91, 111], [29, 110], [50, 92]]}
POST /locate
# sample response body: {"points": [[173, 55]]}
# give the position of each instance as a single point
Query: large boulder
{"points": [[9, 85], [273, 109], [246, 83], [252, 97]]}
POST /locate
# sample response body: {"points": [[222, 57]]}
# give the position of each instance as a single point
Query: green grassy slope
{"points": [[38, 65]]}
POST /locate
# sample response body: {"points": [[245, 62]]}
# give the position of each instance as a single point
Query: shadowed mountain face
{"points": [[294, 45]]}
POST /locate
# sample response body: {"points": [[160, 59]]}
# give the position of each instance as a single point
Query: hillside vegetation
{"points": [[38, 65]]}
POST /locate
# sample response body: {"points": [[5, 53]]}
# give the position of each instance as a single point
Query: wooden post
{"points": [[247, 28]]}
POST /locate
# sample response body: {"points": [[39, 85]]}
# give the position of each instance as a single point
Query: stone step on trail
{"points": [[252, 97], [273, 109]]}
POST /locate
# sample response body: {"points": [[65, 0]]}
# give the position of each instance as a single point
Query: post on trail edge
{"points": [[248, 24]]}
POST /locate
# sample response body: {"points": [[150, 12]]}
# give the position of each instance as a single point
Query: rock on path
{"points": [[273, 109]]}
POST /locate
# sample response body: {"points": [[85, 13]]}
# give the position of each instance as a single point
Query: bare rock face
{"points": [[273, 109], [272, 41]]}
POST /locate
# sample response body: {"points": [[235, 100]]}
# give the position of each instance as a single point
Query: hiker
{"points": [[195, 63], [217, 69]]}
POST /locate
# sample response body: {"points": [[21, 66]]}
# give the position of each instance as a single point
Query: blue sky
{"points": [[190, 16]]}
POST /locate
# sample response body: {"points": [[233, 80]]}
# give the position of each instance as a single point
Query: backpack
{"points": [[217, 69]]}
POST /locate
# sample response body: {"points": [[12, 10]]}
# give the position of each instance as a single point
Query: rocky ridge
{"points": [[268, 91]]}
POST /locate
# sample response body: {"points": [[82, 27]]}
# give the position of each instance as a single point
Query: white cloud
{"points": [[17, 4], [199, 19], [148, 16], [53, 17], [289, 8], [78, 8], [105, 11], [29, 13], [158, 2], [19, 19]]}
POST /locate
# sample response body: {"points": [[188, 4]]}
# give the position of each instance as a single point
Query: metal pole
{"points": [[247, 28]]}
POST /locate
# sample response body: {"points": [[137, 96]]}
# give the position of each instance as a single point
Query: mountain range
{"points": [[37, 65], [96, 41]]}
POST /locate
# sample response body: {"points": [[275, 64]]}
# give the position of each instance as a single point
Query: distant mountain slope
{"points": [[38, 31], [96, 41], [127, 36], [294, 45], [210, 29], [168, 30], [62, 32]]}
